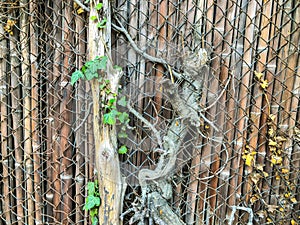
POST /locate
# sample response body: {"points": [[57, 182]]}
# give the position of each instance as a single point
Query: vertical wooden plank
{"points": [[215, 113], [36, 144], [203, 206], [295, 101], [55, 150], [15, 90], [26, 86], [193, 196], [4, 79], [66, 173], [82, 110], [259, 112]]}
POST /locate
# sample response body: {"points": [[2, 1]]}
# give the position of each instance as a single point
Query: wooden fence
{"points": [[242, 169]]}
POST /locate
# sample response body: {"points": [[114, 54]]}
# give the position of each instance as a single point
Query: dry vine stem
{"points": [[156, 189]]}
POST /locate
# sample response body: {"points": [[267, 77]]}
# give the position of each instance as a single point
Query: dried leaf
{"points": [[287, 195], [272, 148], [9, 26], [272, 143], [293, 200], [272, 117], [249, 158], [275, 160], [280, 139], [258, 75], [260, 167], [254, 198], [293, 222], [297, 134], [271, 132], [255, 177], [265, 174], [261, 214], [79, 11], [264, 84], [272, 208]]}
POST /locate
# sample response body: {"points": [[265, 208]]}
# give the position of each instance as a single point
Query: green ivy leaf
{"points": [[76, 76], [94, 212], [99, 6], [93, 18], [91, 202], [123, 117], [94, 220], [122, 149], [122, 134], [91, 188], [102, 86], [122, 101], [102, 63], [111, 102], [119, 68], [90, 75], [102, 23], [110, 118]]}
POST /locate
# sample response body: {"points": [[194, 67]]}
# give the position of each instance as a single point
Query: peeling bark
{"points": [[107, 161]]}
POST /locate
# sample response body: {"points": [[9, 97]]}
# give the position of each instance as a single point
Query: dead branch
{"points": [[78, 2], [147, 123], [234, 208]]}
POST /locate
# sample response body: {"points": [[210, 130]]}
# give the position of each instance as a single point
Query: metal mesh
{"points": [[240, 165]]}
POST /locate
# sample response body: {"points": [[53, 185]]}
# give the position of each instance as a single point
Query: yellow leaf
{"points": [[287, 195], [79, 11], [271, 132], [280, 139], [265, 174], [9, 26], [272, 148], [293, 222], [272, 117], [293, 200], [264, 84], [276, 159], [254, 198], [258, 75], [284, 171], [249, 158], [272, 143], [281, 209]]}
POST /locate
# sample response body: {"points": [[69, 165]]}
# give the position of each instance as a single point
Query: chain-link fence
{"points": [[227, 70]]}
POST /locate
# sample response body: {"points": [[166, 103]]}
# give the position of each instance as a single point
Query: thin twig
{"points": [[141, 52], [223, 91], [86, 117], [147, 123], [78, 2], [234, 208]]}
